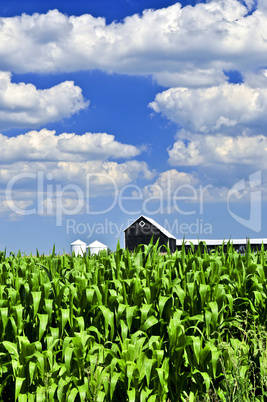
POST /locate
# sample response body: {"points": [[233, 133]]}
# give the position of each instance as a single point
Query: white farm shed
{"points": [[78, 247], [96, 247]]}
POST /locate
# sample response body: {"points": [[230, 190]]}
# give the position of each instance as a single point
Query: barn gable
{"points": [[143, 229]]}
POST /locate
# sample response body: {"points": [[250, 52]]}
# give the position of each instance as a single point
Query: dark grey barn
{"points": [[143, 229]]}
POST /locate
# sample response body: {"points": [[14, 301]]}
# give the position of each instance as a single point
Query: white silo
{"points": [[79, 247], [96, 247]]}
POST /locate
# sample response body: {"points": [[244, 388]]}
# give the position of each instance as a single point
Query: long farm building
{"points": [[143, 229]]}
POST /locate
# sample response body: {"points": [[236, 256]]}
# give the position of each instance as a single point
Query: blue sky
{"points": [[113, 110]]}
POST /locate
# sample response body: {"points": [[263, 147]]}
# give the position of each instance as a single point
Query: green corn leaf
{"points": [[146, 369], [206, 378], [80, 322], [243, 371], [230, 302], [204, 293], [67, 358], [12, 295], [130, 310], [204, 354], [54, 332], [145, 394], [82, 392], [132, 352], [197, 317], [163, 374], [31, 397], [12, 349], [147, 293], [40, 363], [208, 319], [46, 288], [159, 355], [113, 383], [67, 341], [124, 330], [180, 293], [162, 301], [215, 356], [259, 298], [196, 342], [32, 367], [144, 312], [100, 396], [214, 313], [18, 386], [41, 394], [36, 298], [131, 393], [149, 323], [98, 294], [62, 372], [130, 368], [88, 296], [23, 398], [72, 395], [4, 317], [65, 315], [153, 398], [14, 325], [60, 390], [109, 321], [49, 307], [95, 330], [43, 322], [191, 397], [191, 290], [51, 392], [121, 309]]}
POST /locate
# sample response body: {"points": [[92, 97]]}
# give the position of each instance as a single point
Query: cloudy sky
{"points": [[110, 110]]}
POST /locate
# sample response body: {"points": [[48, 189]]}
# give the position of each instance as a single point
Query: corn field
{"points": [[143, 326]]}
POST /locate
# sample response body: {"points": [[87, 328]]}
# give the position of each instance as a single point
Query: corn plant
{"points": [[142, 326]]}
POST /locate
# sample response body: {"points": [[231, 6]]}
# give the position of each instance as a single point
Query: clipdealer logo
{"points": [[71, 199], [252, 188]]}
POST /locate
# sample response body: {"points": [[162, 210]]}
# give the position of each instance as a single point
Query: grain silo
{"points": [[78, 247], [96, 247]]}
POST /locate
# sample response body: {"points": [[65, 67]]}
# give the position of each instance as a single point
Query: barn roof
{"points": [[158, 226], [258, 241], [215, 242], [195, 242]]}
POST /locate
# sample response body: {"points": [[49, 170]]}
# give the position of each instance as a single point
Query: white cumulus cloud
{"points": [[212, 36], [45, 145], [219, 149], [69, 163], [191, 77], [23, 105], [207, 110], [168, 182], [70, 157]]}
